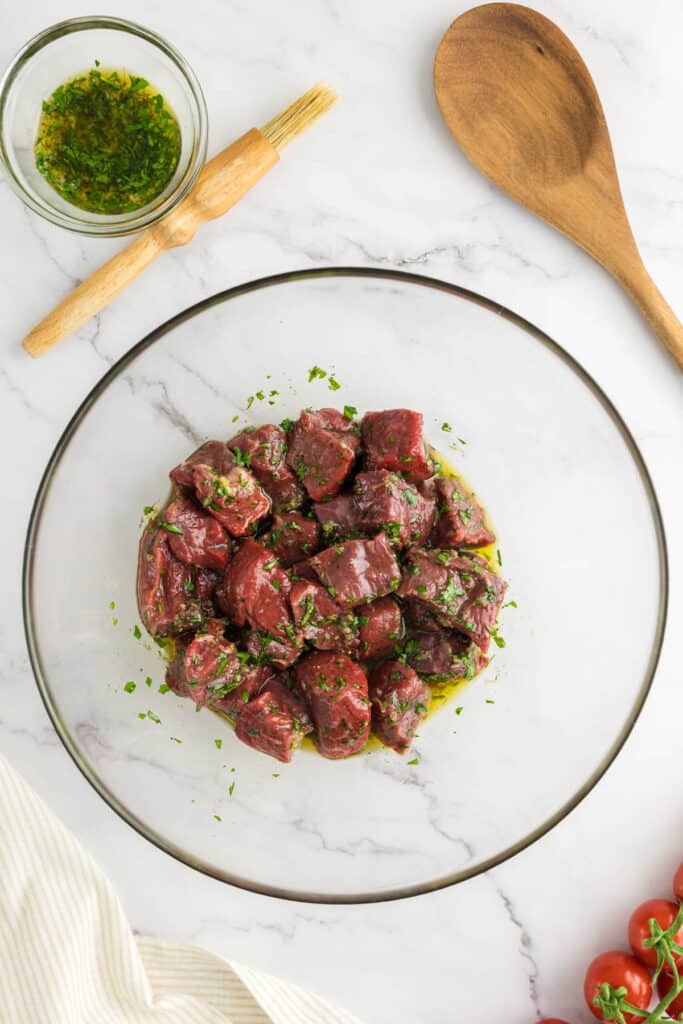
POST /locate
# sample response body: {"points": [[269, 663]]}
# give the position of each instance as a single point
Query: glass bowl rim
{"points": [[404, 891], [106, 228]]}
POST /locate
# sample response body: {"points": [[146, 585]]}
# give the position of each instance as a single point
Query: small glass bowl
{"points": [[72, 47]]}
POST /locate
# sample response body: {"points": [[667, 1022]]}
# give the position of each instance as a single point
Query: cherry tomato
{"points": [[675, 1010], [678, 883], [664, 912], [618, 969], [552, 1020]]}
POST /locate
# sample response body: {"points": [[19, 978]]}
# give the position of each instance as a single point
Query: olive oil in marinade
{"points": [[107, 141]]}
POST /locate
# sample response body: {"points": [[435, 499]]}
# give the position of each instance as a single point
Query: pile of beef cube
{"points": [[318, 576]]}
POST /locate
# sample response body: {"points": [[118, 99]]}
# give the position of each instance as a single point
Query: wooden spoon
{"points": [[519, 100]]}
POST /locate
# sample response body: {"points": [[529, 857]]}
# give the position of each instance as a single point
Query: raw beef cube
{"points": [[264, 451], [385, 501], [236, 500], [211, 668], [320, 460], [436, 653], [336, 690], [393, 440], [290, 697], [400, 701], [252, 680], [485, 592], [166, 595], [214, 454], [273, 723], [433, 578], [255, 590], [194, 536], [292, 537], [461, 521], [338, 516], [379, 628], [336, 423], [281, 649], [358, 571], [320, 619]]}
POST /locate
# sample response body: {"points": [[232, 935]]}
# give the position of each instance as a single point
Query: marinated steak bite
{"points": [[461, 521], [235, 499], [252, 679], [167, 601], [214, 454], [320, 459], [336, 690], [194, 536], [485, 592], [433, 577], [208, 667], [264, 450], [393, 440], [292, 537], [255, 591], [358, 571], [379, 628], [436, 653], [281, 649], [338, 517], [400, 701], [385, 501], [320, 620], [334, 422], [275, 722]]}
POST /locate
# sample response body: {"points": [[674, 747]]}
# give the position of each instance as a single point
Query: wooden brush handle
{"points": [[654, 308], [222, 182]]}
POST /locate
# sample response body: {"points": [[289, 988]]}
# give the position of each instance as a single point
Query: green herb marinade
{"points": [[107, 141]]}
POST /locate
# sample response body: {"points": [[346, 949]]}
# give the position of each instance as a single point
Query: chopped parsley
{"points": [[459, 709], [308, 610], [219, 744], [231, 788], [316, 373], [350, 412], [170, 527], [499, 557], [136, 632], [130, 686], [446, 427], [154, 718], [497, 638], [242, 458], [164, 688], [415, 760], [333, 384]]}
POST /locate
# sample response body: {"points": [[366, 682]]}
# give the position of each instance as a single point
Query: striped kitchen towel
{"points": [[68, 956]]}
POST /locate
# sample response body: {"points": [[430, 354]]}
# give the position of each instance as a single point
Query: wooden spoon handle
{"points": [[655, 309], [224, 180]]}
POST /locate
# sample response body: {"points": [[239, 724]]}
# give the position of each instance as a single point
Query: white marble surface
{"points": [[380, 183]]}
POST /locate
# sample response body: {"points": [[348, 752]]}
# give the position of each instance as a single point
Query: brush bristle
{"points": [[284, 128]]}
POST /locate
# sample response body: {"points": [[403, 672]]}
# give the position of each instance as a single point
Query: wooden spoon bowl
{"points": [[517, 97]]}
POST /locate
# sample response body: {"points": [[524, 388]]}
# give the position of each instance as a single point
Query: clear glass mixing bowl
{"points": [[581, 542]]}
